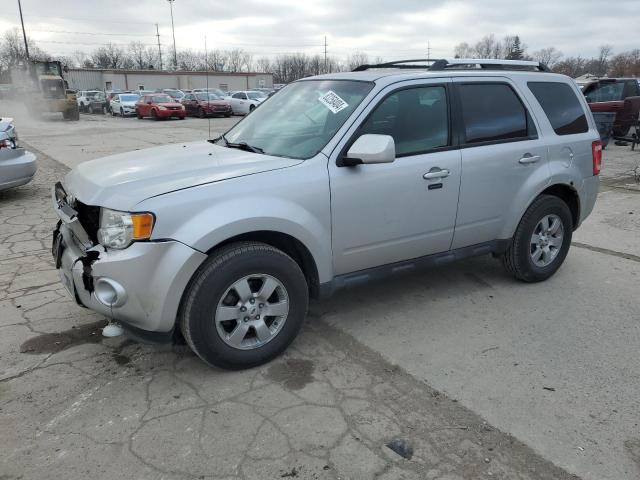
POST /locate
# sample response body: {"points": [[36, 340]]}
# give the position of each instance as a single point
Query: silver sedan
{"points": [[17, 166]]}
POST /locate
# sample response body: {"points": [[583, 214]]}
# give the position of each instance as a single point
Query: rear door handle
{"points": [[436, 172], [528, 158]]}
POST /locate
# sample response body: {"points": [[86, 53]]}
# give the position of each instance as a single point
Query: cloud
{"points": [[391, 29]]}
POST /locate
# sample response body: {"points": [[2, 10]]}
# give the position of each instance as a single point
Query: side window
{"points": [[236, 95], [416, 118], [604, 91], [562, 107], [493, 112]]}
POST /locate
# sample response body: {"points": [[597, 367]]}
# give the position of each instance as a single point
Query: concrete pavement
{"points": [[553, 365]]}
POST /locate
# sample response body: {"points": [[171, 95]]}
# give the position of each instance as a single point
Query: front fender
{"points": [[214, 225]]}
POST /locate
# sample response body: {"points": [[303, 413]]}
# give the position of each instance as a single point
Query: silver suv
{"points": [[335, 180]]}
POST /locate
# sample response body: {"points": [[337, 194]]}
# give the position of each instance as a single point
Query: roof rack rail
{"points": [[460, 64]]}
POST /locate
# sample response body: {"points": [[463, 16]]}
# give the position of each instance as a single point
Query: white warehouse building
{"points": [[106, 79]]}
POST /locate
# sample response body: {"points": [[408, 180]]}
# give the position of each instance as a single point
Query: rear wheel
{"points": [[244, 306], [541, 241], [252, 108], [201, 113]]}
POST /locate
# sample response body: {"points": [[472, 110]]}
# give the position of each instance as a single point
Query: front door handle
{"points": [[436, 172], [528, 158]]}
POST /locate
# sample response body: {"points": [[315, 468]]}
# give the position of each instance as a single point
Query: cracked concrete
{"points": [[76, 405]]}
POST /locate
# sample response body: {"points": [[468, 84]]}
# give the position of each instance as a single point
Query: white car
{"points": [[244, 102], [124, 104], [84, 98]]}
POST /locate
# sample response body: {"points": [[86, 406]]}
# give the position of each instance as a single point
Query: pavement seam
{"points": [[606, 251]]}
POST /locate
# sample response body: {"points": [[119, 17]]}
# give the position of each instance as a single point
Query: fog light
{"points": [[109, 292]]}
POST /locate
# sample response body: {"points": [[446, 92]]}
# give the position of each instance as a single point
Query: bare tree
{"points": [[263, 64], [12, 51], [109, 56], [549, 56], [625, 64], [356, 59]]}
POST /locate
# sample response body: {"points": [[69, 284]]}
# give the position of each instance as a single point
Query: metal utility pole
{"points": [[428, 49], [175, 52], [325, 54], [159, 49], [24, 35]]}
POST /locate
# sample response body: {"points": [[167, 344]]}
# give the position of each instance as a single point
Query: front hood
{"points": [[131, 104], [124, 180]]}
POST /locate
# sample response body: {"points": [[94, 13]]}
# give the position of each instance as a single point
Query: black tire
{"points": [[201, 113], [82, 107], [224, 267], [139, 115], [252, 108], [122, 112], [517, 259], [154, 115], [227, 115]]}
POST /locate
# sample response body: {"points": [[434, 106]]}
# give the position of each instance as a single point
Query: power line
{"points": [[101, 20], [96, 33]]}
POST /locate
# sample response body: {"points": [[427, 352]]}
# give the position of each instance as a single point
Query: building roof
{"points": [[165, 72]]}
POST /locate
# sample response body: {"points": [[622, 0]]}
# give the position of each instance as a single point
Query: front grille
{"points": [[89, 217], [174, 108]]}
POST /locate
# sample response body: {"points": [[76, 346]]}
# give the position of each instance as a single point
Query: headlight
{"points": [[120, 229], [160, 107]]}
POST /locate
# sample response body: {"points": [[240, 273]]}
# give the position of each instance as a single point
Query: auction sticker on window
{"points": [[333, 102]]}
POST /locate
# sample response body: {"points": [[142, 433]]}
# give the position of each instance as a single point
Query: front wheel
{"points": [[154, 115], [541, 241], [201, 113], [244, 306]]}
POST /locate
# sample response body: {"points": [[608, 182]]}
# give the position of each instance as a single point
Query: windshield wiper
{"points": [[244, 146], [239, 145]]}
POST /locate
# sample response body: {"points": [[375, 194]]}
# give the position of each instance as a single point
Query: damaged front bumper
{"points": [[140, 286]]}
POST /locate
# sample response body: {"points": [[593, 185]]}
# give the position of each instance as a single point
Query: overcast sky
{"points": [[389, 28]]}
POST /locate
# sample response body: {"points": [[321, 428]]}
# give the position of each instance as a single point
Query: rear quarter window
{"points": [[562, 107]]}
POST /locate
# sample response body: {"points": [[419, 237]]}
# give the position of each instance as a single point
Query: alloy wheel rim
{"points": [[252, 311], [546, 240]]}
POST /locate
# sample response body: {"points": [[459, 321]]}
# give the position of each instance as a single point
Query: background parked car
{"points": [[245, 101], [215, 91], [17, 166], [204, 104], [84, 97], [159, 105], [124, 104], [97, 103], [110, 94], [174, 93], [616, 95]]}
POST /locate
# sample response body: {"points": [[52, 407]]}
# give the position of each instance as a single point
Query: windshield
{"points": [[301, 119], [175, 93], [162, 99], [256, 95], [129, 98], [203, 96]]}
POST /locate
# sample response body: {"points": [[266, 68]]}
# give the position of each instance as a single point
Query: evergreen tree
{"points": [[516, 52]]}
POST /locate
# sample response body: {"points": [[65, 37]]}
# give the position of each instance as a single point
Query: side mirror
{"points": [[370, 148]]}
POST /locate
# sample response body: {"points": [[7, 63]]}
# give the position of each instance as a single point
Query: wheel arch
{"points": [[290, 245], [568, 195]]}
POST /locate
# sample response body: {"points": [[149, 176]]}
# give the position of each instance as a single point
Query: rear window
{"points": [[562, 107], [493, 112], [604, 91]]}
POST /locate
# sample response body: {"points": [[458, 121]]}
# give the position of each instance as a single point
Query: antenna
{"points": [[206, 62]]}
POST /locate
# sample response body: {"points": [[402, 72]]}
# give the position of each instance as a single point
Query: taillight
{"points": [[596, 153]]}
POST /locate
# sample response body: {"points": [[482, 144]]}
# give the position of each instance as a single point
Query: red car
{"points": [[204, 104], [616, 95], [159, 105]]}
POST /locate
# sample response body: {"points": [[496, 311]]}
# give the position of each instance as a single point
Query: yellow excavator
{"points": [[45, 89]]}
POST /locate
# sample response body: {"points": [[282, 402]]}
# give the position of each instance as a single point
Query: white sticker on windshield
{"points": [[333, 102]]}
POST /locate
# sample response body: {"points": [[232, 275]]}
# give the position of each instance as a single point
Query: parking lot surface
{"points": [[462, 370]]}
